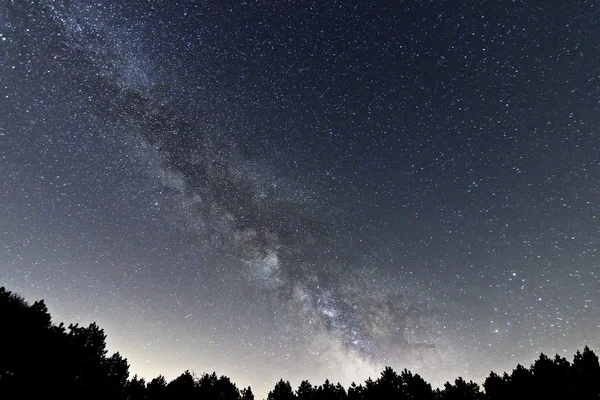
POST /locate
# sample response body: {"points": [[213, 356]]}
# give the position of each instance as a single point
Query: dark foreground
{"points": [[41, 360]]}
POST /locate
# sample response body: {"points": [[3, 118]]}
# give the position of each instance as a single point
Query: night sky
{"points": [[306, 189]]}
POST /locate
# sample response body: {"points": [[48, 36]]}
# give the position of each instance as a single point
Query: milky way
{"points": [[305, 189]]}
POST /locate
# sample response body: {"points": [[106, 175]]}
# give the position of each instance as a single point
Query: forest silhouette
{"points": [[39, 359]]}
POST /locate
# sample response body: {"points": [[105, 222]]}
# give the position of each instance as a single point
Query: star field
{"points": [[306, 190]]}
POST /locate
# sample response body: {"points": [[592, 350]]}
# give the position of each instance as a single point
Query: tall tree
{"points": [[157, 388], [497, 387], [389, 385], [116, 373], [247, 394], [207, 386], [135, 389], [282, 391], [415, 387], [355, 392], [586, 375], [182, 387], [306, 391], [227, 390], [328, 391]]}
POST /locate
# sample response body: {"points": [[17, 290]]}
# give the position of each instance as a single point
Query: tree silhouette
{"points": [[306, 391], [227, 390], [521, 382], [29, 345], [282, 391], [39, 359], [370, 390], [157, 388], [208, 386], [551, 378], [388, 386], [585, 372], [182, 387], [355, 392], [117, 372], [135, 389], [497, 387], [461, 390], [247, 394], [329, 391], [415, 387]]}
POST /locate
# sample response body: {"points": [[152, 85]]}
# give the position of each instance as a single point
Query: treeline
{"points": [[39, 359]]}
